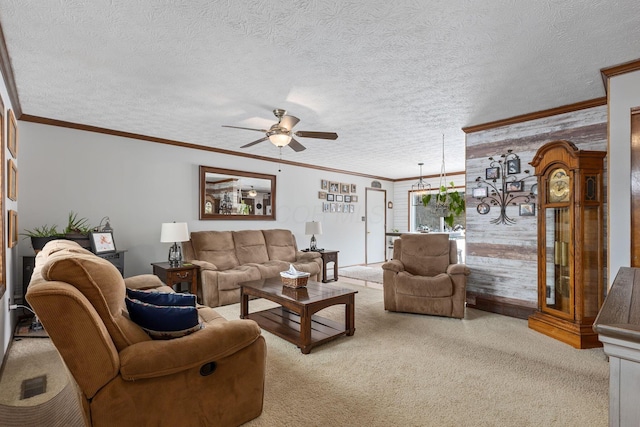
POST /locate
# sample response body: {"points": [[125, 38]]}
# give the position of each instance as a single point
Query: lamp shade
{"points": [[313, 227], [174, 232]]}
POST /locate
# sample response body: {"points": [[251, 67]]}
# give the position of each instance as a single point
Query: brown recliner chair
{"points": [[212, 377], [424, 277]]}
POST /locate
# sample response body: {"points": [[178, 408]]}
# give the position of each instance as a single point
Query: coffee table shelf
{"points": [[294, 320]]}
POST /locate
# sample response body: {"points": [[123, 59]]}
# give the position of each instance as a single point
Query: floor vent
{"points": [[33, 387]]}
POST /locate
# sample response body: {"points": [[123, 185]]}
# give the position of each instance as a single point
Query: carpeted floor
{"points": [[362, 272], [415, 370], [30, 358]]}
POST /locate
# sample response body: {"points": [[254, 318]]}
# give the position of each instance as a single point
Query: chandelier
{"points": [[420, 187]]}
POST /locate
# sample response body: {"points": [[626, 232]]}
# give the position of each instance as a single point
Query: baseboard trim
{"points": [[504, 306]]}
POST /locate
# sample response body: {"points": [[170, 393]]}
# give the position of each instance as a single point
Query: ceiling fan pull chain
{"points": [[280, 162]]}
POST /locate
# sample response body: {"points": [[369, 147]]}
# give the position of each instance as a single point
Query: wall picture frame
{"points": [[322, 195], [331, 197], [324, 184], [12, 180], [352, 208], [345, 188], [492, 173], [527, 209], [347, 198], [483, 208], [513, 166], [334, 187], [325, 207], [353, 188], [12, 134], [339, 197], [354, 199], [12, 238], [102, 242], [479, 192], [514, 186]]}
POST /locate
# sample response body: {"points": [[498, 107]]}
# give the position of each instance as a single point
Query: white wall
{"points": [[7, 319], [140, 185], [624, 94]]}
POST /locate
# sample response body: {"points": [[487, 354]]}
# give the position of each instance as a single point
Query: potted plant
{"points": [[78, 230], [41, 235], [451, 200]]}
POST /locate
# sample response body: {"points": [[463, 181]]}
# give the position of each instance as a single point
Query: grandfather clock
{"points": [[570, 243]]}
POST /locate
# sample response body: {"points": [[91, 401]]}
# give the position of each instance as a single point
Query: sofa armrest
{"points": [[156, 358], [394, 265], [143, 281], [458, 269], [306, 256], [204, 265]]}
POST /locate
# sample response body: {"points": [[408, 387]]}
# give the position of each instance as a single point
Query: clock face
{"points": [[559, 186]]}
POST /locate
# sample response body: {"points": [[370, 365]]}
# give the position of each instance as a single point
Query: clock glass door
{"points": [[558, 261]]}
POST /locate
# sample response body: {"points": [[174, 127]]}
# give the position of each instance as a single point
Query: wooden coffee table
{"points": [[295, 319]]}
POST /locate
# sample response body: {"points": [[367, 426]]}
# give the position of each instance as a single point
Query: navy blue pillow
{"points": [[163, 298], [163, 322]]}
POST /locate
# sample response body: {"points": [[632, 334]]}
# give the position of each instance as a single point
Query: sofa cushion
{"points": [[250, 247], [163, 322], [281, 245], [231, 279], [271, 269], [215, 247], [162, 298], [425, 254], [422, 286]]}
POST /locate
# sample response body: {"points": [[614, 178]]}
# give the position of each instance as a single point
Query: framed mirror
{"points": [[238, 195]]}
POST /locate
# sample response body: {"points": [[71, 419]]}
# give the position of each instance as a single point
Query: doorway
{"points": [[375, 225]]}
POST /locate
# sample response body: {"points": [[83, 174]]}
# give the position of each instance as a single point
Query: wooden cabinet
{"points": [[570, 243]]}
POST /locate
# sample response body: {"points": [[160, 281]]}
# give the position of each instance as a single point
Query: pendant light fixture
{"points": [[419, 189]]}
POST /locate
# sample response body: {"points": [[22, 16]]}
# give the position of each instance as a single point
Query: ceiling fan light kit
{"points": [[281, 134]]}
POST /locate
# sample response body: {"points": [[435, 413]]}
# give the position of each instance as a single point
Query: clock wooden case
{"points": [[570, 243]]}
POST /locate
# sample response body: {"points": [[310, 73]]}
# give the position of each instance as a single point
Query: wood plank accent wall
{"points": [[503, 258]]}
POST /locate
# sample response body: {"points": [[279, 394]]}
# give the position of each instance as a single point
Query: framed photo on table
{"points": [[102, 242]]}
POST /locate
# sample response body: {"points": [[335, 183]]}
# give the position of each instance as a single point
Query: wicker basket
{"points": [[298, 282]]}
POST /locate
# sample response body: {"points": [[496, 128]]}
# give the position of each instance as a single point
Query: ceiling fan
{"points": [[281, 134]]}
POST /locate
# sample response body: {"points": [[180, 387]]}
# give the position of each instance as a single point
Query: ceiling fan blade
{"points": [[254, 142], [238, 127], [288, 122], [320, 135], [296, 146]]}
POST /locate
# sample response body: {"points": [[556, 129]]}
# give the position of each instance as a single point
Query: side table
{"points": [[183, 273], [328, 256]]}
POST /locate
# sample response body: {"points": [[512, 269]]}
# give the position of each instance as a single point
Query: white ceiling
{"points": [[390, 77]]}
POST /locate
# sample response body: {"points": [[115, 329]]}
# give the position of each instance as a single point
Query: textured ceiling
{"points": [[390, 77]]}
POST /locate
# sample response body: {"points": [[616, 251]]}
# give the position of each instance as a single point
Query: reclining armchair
{"points": [[424, 277], [213, 376]]}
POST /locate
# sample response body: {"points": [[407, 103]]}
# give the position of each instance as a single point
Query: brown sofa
{"points": [[229, 258], [424, 277], [214, 376]]}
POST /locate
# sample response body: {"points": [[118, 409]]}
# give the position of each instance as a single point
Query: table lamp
{"points": [[174, 232], [313, 228]]}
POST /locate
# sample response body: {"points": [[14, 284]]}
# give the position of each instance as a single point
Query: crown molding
{"points": [[7, 73], [616, 70], [597, 102], [95, 129]]}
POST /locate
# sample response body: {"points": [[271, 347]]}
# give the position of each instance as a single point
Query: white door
{"points": [[375, 225]]}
